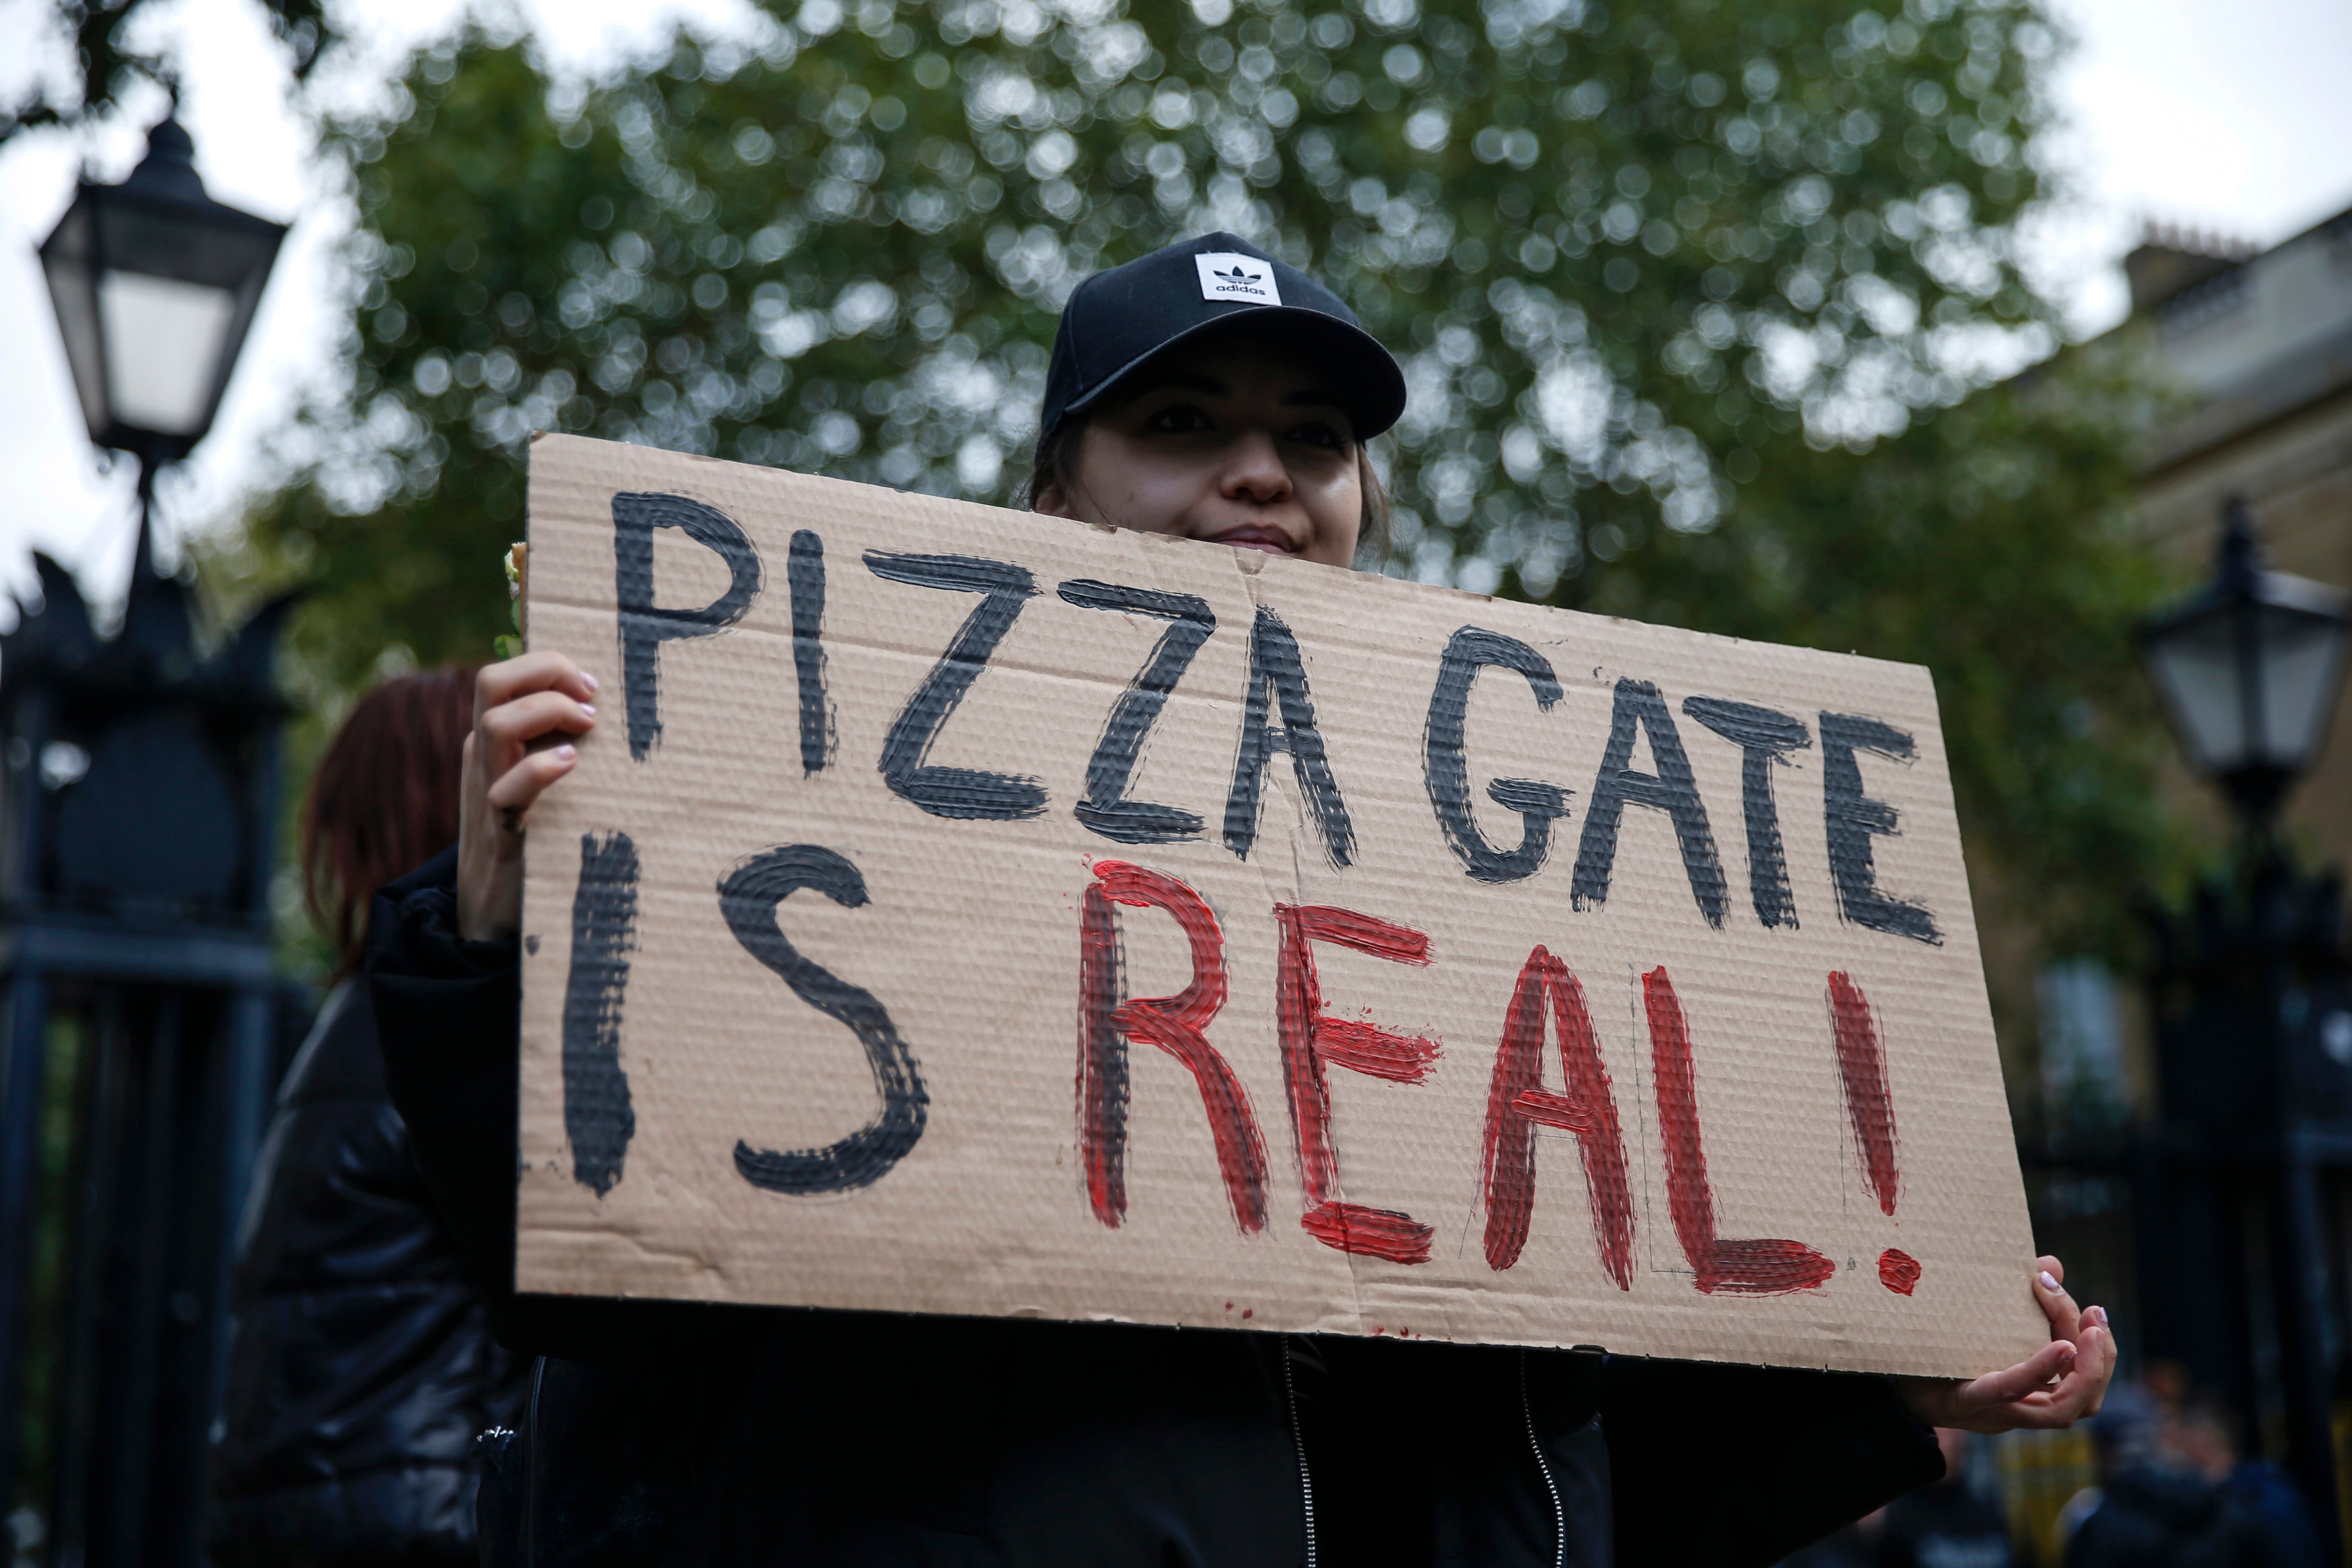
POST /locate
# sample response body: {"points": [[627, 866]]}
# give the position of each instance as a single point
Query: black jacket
{"points": [[362, 1364], [706, 1435]]}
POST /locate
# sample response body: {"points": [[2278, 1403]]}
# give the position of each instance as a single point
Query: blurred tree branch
{"points": [[104, 65]]}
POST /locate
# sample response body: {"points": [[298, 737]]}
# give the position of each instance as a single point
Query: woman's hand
{"points": [[2055, 1386], [525, 712]]}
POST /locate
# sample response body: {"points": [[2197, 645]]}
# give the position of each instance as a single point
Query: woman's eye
{"points": [[1179, 417], [1315, 434]]}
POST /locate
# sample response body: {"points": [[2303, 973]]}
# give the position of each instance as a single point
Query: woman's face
{"points": [[1234, 442]]}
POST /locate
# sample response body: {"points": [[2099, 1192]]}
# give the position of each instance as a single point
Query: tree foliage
{"points": [[1696, 301]]}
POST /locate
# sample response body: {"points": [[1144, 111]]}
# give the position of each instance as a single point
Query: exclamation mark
{"points": [[1862, 1066]]}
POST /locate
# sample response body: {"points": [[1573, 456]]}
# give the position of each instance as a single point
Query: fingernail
{"points": [[589, 709], [2049, 1282], [2097, 1315], [567, 752], [588, 679], [2065, 1352]]}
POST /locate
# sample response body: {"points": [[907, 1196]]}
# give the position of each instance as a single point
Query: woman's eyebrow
{"points": [[1314, 397]]}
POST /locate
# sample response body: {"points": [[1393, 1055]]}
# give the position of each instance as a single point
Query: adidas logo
{"points": [[1227, 278]]}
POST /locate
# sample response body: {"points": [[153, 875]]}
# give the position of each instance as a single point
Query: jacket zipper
{"points": [[531, 1471], [1299, 1441], [1559, 1514]]}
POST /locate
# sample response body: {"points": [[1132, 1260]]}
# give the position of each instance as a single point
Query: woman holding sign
{"points": [[1210, 392]]}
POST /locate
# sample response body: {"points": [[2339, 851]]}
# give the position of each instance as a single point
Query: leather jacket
{"points": [[362, 1364]]}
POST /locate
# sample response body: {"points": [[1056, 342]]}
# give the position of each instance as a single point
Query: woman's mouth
{"points": [[1271, 540]]}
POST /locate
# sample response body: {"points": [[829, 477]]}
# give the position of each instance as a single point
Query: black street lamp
{"points": [[144, 1015], [155, 284], [2249, 666], [2253, 1006]]}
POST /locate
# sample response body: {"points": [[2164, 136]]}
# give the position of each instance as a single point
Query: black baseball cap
{"points": [[1118, 320]]}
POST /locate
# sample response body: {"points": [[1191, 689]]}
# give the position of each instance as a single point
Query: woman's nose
{"points": [[1255, 470]]}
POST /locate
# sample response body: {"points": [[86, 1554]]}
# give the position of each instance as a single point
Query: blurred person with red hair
{"points": [[362, 1364]]}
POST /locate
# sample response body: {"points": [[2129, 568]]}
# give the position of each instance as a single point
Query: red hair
{"points": [[384, 799]]}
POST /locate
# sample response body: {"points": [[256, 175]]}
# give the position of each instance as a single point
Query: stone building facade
{"points": [[2259, 345]]}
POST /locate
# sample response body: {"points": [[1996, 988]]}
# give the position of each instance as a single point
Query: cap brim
{"points": [[1368, 379]]}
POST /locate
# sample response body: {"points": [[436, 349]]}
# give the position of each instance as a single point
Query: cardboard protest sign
{"points": [[962, 910]]}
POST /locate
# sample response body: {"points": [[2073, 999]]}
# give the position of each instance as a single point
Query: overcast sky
{"points": [[2236, 118]]}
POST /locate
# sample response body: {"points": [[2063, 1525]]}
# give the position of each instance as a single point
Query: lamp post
{"points": [[2249, 666], [2250, 992], [154, 284], [138, 826]]}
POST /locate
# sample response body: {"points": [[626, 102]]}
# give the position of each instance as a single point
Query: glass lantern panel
{"points": [[65, 258], [2300, 654], [163, 342], [2196, 667]]}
